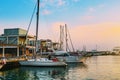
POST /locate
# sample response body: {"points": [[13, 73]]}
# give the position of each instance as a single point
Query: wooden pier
{"points": [[10, 64]]}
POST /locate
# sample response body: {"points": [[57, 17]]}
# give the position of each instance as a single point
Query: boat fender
{"points": [[55, 59], [3, 61]]}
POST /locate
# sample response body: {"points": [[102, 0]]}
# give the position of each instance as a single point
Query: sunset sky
{"points": [[91, 23]]}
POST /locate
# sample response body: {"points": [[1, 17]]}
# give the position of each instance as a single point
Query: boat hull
{"points": [[42, 64], [70, 59], [67, 57]]}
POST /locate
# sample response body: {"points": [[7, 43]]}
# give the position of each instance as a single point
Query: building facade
{"points": [[15, 42]]}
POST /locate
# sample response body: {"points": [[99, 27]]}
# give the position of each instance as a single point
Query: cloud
{"points": [[52, 3], [91, 9], [61, 2], [76, 0], [48, 6], [97, 8], [42, 5], [46, 12], [55, 6]]}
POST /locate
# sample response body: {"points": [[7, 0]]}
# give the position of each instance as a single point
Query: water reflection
{"points": [[45, 73], [41, 73], [77, 65], [103, 68], [76, 71]]}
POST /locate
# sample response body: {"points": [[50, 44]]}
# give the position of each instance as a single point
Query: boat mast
{"points": [[61, 37], [37, 24], [70, 41], [66, 38]]}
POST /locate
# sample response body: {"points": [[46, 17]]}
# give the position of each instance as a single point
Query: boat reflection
{"points": [[77, 65], [42, 73], [45, 73]]}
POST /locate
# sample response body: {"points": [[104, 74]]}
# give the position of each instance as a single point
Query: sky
{"points": [[91, 23]]}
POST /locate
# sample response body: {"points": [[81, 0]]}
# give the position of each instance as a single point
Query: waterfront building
{"points": [[46, 45], [15, 42]]}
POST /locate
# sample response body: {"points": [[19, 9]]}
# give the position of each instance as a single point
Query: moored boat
{"points": [[42, 62], [67, 57]]}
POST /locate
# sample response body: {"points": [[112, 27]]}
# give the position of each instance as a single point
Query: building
{"points": [[15, 42], [45, 45]]}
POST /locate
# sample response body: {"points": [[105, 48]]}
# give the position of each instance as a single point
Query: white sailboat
{"points": [[41, 61], [66, 57], [61, 54]]}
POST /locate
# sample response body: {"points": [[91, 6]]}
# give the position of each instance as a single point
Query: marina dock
{"points": [[10, 63]]}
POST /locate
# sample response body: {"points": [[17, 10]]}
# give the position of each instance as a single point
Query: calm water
{"points": [[94, 68]]}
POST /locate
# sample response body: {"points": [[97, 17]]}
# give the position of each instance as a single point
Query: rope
{"points": [[30, 22]]}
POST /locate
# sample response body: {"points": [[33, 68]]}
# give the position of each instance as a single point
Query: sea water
{"points": [[93, 68]]}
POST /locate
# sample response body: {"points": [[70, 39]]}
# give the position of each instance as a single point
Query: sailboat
{"points": [[41, 61], [67, 56]]}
